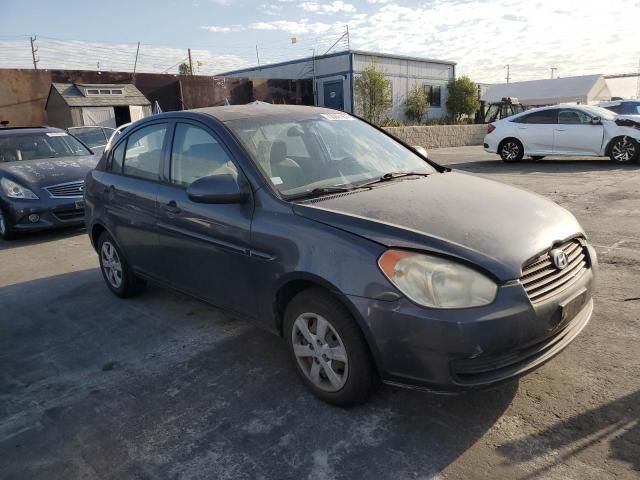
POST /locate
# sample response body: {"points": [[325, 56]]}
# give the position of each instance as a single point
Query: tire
{"points": [[511, 150], [116, 271], [624, 150], [5, 229], [537, 157], [344, 383]]}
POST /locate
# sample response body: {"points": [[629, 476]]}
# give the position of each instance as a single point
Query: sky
{"points": [[482, 36]]}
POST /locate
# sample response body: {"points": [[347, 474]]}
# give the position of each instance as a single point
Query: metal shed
{"points": [[107, 105], [334, 74], [585, 89]]}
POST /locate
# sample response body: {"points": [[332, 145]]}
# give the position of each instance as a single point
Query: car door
{"points": [[130, 187], [206, 247], [575, 133], [535, 131]]}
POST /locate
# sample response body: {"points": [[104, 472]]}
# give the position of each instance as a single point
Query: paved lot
{"points": [[165, 387]]}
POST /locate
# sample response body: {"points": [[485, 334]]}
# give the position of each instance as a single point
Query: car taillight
{"points": [[490, 128]]}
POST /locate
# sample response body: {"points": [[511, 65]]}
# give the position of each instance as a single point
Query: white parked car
{"points": [[565, 130]]}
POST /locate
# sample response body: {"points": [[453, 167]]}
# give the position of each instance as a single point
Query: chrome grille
{"points": [[542, 279], [66, 190]]}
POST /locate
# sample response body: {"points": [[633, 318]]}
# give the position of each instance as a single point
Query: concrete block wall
{"points": [[440, 136]]}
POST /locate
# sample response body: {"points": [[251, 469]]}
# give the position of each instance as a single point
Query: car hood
{"points": [[48, 171], [494, 226]]}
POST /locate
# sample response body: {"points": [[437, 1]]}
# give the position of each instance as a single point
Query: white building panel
{"points": [[403, 73]]}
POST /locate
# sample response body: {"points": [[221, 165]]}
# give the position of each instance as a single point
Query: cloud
{"points": [[337, 6], [216, 29], [300, 27]]}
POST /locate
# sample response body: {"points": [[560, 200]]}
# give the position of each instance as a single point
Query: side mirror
{"points": [[222, 188], [421, 150], [596, 120]]}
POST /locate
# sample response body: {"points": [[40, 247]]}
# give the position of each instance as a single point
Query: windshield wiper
{"points": [[389, 176], [318, 192]]}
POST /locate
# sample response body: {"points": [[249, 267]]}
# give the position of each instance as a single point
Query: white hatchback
{"points": [[565, 130]]}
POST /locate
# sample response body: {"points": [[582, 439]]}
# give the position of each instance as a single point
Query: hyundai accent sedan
{"points": [[42, 172], [565, 130], [371, 261]]}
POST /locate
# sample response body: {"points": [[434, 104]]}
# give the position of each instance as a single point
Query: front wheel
{"points": [[511, 150], [117, 274], [328, 349], [5, 229], [624, 150]]}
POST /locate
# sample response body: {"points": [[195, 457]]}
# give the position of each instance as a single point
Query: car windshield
{"points": [[92, 136], [30, 146], [303, 153], [599, 112]]}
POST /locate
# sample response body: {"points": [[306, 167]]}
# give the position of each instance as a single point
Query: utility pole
{"points": [[135, 63], [315, 92], [257, 56], [190, 63], [638, 87], [508, 67], [34, 49], [348, 40], [553, 70]]}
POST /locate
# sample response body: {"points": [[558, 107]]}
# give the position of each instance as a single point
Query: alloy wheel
{"points": [[320, 352], [111, 264], [510, 151], [624, 150]]}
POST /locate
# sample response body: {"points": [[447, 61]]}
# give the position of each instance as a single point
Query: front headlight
{"points": [[436, 282], [13, 190]]}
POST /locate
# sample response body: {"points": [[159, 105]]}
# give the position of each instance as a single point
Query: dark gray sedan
{"points": [[42, 172], [373, 262]]}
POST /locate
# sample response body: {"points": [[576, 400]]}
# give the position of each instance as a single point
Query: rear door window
{"points": [[144, 152], [117, 158], [542, 117]]}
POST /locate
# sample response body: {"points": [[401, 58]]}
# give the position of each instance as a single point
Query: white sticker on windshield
{"points": [[56, 134], [276, 180], [336, 116]]}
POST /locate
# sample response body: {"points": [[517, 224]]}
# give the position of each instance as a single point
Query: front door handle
{"points": [[109, 191], [171, 207], [560, 129], [522, 128]]}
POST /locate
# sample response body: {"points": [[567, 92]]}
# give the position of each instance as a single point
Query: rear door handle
{"points": [[522, 128], [560, 130], [171, 207]]}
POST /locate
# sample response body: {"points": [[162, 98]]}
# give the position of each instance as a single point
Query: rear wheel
{"points": [[116, 272], [328, 349], [5, 229], [624, 150], [511, 150]]}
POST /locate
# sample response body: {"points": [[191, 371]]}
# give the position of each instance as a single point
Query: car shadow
{"points": [[33, 238], [162, 386], [543, 166], [616, 421]]}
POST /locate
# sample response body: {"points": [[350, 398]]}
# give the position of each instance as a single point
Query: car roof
{"points": [[259, 109], [7, 131]]}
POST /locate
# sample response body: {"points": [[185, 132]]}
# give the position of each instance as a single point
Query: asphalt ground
{"points": [[162, 386]]}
